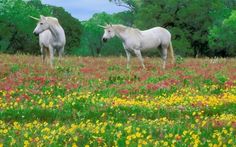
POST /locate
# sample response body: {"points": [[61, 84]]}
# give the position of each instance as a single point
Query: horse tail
{"points": [[171, 53]]}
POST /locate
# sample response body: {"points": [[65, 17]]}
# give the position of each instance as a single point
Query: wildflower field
{"points": [[87, 101]]}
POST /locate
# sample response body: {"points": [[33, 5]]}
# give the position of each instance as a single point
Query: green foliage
{"points": [[222, 37], [221, 78], [91, 43], [179, 59], [197, 26], [14, 68], [189, 35], [15, 25]]}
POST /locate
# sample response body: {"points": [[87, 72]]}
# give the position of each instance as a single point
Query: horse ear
{"points": [[42, 17]]}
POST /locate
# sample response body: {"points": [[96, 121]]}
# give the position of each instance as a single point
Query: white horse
{"points": [[51, 37], [137, 41]]}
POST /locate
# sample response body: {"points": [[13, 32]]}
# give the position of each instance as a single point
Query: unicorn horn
{"points": [[102, 26], [34, 18]]}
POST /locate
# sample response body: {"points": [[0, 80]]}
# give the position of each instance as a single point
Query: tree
{"points": [[17, 26], [129, 4], [91, 43], [188, 21], [222, 37], [14, 14]]}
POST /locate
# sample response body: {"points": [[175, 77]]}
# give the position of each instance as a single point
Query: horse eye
{"points": [[41, 23], [109, 31]]}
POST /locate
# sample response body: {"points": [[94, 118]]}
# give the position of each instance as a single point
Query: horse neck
{"points": [[56, 32], [120, 32]]}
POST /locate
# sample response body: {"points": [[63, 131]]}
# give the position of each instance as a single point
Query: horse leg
{"points": [[164, 56], [43, 54], [128, 58], [127, 55], [51, 54], [139, 55], [60, 53]]}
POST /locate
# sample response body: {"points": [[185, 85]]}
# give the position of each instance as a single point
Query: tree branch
{"points": [[122, 4]]}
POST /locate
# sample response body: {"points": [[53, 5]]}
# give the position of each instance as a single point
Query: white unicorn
{"points": [[51, 37], [135, 40]]}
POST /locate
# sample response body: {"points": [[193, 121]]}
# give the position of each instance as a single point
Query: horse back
{"points": [[156, 36]]}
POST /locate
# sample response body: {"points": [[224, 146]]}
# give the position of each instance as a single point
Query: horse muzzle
{"points": [[35, 33], [104, 39]]}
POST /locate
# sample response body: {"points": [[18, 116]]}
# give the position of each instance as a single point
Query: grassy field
{"points": [[88, 101]]}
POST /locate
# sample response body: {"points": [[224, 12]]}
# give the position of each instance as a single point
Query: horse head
{"points": [[109, 32], [41, 26]]}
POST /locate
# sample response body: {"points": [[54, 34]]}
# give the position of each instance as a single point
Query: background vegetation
{"points": [[199, 27]]}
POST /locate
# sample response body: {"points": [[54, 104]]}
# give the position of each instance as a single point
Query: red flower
{"points": [[25, 96], [234, 124], [99, 140], [86, 70], [18, 99], [124, 92], [178, 137]]}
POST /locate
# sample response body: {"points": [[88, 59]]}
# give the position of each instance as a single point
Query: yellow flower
{"points": [[230, 141], [170, 135], [13, 141], [165, 143], [225, 131], [138, 134], [185, 132], [192, 126], [144, 142], [103, 114], [51, 104], [43, 105], [5, 131], [149, 137], [204, 123], [26, 135], [74, 145], [128, 129], [37, 139], [127, 142], [26, 143], [119, 134], [75, 138], [118, 125]]}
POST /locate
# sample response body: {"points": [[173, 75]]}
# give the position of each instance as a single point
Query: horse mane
{"points": [[53, 21], [122, 28], [119, 27]]}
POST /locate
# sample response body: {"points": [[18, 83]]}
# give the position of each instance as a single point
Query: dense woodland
{"points": [[199, 27]]}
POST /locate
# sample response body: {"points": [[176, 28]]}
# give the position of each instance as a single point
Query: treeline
{"points": [[198, 27], [16, 27]]}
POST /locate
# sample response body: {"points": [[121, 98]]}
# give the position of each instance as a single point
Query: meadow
{"points": [[87, 101]]}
